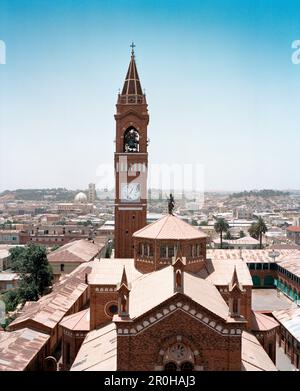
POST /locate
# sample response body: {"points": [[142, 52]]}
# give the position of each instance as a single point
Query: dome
{"points": [[80, 198]]}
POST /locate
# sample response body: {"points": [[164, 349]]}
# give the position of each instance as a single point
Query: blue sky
{"points": [[221, 87]]}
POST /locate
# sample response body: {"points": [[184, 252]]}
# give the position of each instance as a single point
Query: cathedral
{"points": [[160, 304]]}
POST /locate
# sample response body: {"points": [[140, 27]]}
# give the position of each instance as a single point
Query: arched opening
{"points": [[187, 366], [235, 306], [131, 140], [178, 279], [256, 280], [269, 281], [170, 367]]}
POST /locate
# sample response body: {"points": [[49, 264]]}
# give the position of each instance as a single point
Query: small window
{"points": [[163, 252], [62, 267]]}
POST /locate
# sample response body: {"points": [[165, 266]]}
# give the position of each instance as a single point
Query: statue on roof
{"points": [[171, 204]]}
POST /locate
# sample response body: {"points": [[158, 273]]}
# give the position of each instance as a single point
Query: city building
{"points": [[293, 234], [92, 193], [68, 257]]}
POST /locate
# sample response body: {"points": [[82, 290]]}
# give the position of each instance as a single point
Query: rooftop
{"points": [[262, 322], [19, 347], [254, 357], [293, 228], [98, 351], [290, 319], [108, 271], [50, 309], [291, 263], [169, 227], [80, 321], [248, 255], [143, 297], [220, 273], [78, 251]]}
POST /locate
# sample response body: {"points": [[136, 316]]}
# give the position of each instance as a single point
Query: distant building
{"points": [[293, 233], [9, 237], [92, 193], [246, 242], [243, 212], [68, 257], [80, 198], [8, 281]]}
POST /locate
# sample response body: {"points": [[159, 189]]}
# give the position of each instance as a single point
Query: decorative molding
{"points": [[167, 310]]}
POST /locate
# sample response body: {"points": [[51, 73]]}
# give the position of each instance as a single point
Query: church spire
{"points": [[132, 89]]}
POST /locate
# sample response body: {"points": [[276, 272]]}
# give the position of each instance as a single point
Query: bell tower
{"points": [[131, 161]]}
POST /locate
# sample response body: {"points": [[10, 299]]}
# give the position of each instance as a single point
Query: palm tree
{"points": [[257, 229], [261, 229], [221, 226]]}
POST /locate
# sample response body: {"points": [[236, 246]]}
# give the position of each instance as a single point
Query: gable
{"points": [[180, 304]]}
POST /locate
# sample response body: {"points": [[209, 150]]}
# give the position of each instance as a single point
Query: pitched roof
{"points": [[220, 272], [80, 321], [51, 308], [262, 322], [169, 227], [98, 351], [290, 319], [18, 348], [78, 251], [248, 255], [254, 357], [143, 296], [109, 271], [291, 263]]}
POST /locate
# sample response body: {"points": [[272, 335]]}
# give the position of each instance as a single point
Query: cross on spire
{"points": [[132, 48]]}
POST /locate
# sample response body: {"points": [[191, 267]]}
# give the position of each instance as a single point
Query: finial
{"points": [[132, 48]]}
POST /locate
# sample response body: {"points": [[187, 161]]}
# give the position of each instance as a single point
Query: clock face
{"points": [[130, 191], [178, 351]]}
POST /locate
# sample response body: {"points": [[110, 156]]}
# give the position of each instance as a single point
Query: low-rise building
{"points": [[9, 236], [8, 281], [68, 257], [289, 333], [293, 233]]}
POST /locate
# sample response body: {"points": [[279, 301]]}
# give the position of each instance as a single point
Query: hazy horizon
{"points": [[222, 90]]}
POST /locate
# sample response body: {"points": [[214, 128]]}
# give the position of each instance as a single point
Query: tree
{"points": [[194, 222], [242, 234], [228, 235], [203, 223], [221, 226], [31, 263], [253, 231], [261, 229], [257, 229]]}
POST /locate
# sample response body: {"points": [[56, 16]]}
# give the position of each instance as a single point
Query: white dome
{"points": [[80, 198]]}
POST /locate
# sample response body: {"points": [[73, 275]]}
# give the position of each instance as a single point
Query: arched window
{"points": [[178, 279], [131, 140], [235, 306], [170, 367], [187, 366]]}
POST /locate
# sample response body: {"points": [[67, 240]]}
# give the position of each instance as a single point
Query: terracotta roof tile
{"points": [[169, 227]]}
